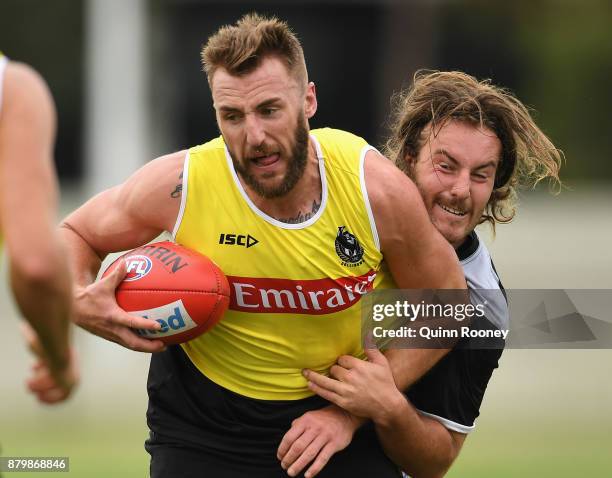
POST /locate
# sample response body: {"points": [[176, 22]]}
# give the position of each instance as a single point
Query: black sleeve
{"points": [[452, 391]]}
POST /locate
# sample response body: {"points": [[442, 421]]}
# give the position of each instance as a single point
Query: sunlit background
{"points": [[127, 81]]}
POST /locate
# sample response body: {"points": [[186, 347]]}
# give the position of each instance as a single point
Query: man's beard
{"points": [[295, 166]]}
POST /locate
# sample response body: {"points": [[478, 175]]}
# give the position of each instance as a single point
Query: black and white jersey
{"points": [[452, 391]]}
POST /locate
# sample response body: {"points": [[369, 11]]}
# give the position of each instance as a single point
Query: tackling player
{"points": [[28, 195], [333, 219], [467, 145]]}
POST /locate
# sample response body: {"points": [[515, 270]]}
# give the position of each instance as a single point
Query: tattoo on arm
{"points": [[179, 188], [302, 217]]}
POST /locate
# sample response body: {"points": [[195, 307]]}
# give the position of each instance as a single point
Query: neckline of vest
{"points": [[270, 219], [469, 246]]}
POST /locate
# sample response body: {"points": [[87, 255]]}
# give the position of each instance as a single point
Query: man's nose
{"points": [[460, 188], [254, 131]]}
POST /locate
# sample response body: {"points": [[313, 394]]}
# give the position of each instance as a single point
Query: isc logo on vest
{"points": [[172, 317], [238, 240]]}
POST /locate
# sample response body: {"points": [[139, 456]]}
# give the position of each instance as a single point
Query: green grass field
{"points": [[550, 451], [97, 448], [114, 447]]}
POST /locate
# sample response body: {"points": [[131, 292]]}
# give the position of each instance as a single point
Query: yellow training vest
{"points": [[295, 288]]}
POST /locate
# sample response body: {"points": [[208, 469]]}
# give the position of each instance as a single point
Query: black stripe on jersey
{"points": [[501, 286], [469, 246]]}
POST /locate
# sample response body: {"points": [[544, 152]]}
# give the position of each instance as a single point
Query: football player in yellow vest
{"points": [[303, 223], [28, 195]]}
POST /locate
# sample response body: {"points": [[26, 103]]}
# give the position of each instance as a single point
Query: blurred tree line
{"points": [[556, 55]]}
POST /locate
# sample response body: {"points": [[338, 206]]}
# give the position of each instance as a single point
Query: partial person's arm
{"points": [[28, 200], [419, 445], [118, 219], [417, 255]]}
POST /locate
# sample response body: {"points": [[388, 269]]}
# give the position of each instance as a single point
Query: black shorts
{"points": [[201, 430]]}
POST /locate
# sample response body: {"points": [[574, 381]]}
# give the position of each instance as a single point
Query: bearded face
{"points": [[262, 116], [257, 171]]}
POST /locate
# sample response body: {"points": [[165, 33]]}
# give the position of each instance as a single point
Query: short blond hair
{"points": [[240, 48], [435, 97]]}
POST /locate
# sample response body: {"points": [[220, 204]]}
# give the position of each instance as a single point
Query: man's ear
{"points": [[310, 101], [409, 163]]}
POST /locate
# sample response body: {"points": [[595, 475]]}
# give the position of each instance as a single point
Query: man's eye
{"points": [[232, 116], [268, 111], [444, 166]]}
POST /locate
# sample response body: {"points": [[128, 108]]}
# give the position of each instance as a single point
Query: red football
{"points": [[179, 288]]}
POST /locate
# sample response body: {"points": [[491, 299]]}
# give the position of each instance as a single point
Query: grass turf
{"points": [[113, 446]]}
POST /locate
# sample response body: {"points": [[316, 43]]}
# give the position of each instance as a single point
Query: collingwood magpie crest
{"points": [[348, 248]]}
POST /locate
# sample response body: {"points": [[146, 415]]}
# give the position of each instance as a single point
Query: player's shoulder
{"points": [[214, 145], [170, 160], [386, 184], [477, 264], [152, 193], [161, 170], [338, 139], [337, 134], [20, 76], [24, 88]]}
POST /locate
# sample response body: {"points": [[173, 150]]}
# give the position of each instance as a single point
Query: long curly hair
{"points": [[436, 97]]}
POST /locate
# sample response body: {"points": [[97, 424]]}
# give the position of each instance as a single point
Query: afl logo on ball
{"points": [[348, 248], [137, 267]]}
